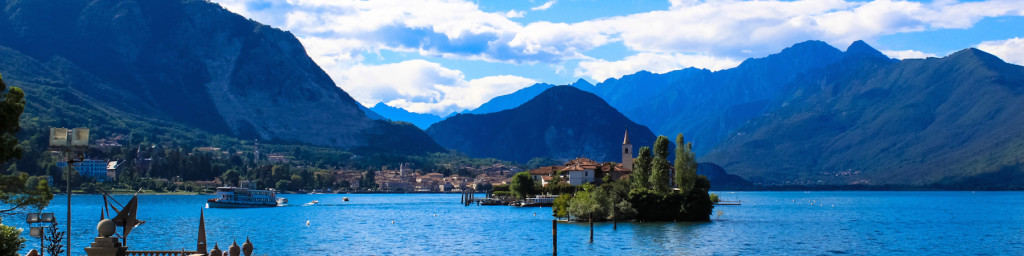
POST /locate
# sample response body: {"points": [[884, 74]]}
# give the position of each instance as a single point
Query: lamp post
{"points": [[33, 218], [68, 142]]}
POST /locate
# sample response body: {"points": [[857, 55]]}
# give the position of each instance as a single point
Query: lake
{"points": [[767, 223]]}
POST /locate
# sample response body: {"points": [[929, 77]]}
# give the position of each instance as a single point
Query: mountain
{"points": [[423, 121], [181, 63], [720, 180], [706, 106], [561, 122], [509, 101], [951, 122], [512, 100]]}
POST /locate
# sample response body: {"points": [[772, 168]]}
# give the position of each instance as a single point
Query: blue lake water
{"points": [[768, 223]]}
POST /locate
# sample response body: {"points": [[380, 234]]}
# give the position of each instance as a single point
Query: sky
{"points": [[446, 56]]}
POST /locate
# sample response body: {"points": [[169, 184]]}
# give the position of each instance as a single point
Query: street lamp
{"points": [[33, 218], [68, 142]]}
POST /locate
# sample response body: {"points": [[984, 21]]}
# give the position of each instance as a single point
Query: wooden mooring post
{"points": [[554, 237], [591, 227]]}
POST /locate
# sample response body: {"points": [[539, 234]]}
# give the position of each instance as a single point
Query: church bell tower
{"points": [[627, 153]]}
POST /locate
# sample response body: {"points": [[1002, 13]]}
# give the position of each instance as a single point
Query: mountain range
{"points": [[866, 119], [561, 122], [110, 64]]}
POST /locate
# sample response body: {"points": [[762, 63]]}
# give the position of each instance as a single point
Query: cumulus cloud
{"points": [[544, 6], [735, 29], [515, 14], [908, 54], [423, 87], [599, 70], [705, 34], [1010, 50]]}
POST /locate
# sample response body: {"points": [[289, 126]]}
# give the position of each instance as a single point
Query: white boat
{"points": [[234, 197], [312, 203]]}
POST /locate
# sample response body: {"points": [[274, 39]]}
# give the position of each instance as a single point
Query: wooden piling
{"points": [[615, 219], [554, 237], [591, 227]]}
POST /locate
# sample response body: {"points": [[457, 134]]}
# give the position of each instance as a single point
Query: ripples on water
{"points": [[768, 223]]}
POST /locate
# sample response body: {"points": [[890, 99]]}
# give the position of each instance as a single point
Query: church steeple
{"points": [[625, 140], [201, 240], [627, 153]]}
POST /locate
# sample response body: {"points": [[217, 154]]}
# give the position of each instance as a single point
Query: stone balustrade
{"points": [[160, 253]]}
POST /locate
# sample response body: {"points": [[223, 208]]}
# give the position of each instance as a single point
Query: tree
{"points": [[585, 205], [659, 166], [369, 181], [560, 208], [641, 169], [55, 245], [556, 179], [12, 104], [686, 165], [521, 185], [10, 240], [230, 177]]}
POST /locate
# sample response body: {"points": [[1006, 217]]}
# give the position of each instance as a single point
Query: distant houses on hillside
{"points": [[410, 181]]}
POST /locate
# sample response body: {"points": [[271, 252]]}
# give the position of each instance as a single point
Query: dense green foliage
{"points": [[641, 168], [12, 104], [521, 185], [659, 166], [10, 240], [17, 190], [686, 165]]}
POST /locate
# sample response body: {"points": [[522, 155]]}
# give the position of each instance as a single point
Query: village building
{"points": [[582, 170]]}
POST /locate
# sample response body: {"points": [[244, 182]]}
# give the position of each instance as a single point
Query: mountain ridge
{"points": [[562, 122], [195, 63]]}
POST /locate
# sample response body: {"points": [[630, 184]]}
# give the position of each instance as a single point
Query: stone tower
{"points": [[627, 153]]}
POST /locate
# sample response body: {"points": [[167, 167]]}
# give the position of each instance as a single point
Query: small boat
{"points": [[235, 197], [344, 199], [282, 200], [312, 203]]}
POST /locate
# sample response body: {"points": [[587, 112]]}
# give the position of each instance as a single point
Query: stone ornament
{"points": [[216, 251], [247, 247], [234, 250]]}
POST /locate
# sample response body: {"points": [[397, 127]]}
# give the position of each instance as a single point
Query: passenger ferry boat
{"points": [[234, 197]]}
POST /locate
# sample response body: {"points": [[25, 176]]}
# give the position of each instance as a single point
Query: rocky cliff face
{"points": [[195, 63]]}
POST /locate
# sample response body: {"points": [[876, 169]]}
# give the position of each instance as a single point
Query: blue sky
{"points": [[444, 56]]}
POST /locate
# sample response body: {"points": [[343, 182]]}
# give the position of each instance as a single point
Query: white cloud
{"points": [[515, 14], [599, 70], [458, 29], [908, 54], [1010, 50], [711, 34], [544, 6], [423, 87]]}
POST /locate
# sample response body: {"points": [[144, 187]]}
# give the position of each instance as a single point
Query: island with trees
{"points": [[655, 190]]}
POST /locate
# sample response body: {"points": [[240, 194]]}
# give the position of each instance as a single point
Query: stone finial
{"points": [[247, 247], [106, 228], [234, 250], [216, 251], [33, 252]]}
